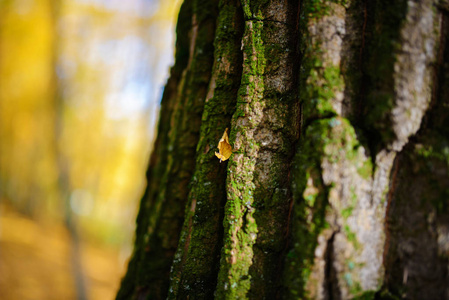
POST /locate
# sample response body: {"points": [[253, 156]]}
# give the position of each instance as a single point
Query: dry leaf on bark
{"points": [[224, 148]]}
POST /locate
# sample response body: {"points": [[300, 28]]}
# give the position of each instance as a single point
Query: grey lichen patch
{"points": [[353, 212], [266, 139], [339, 185], [412, 71], [334, 200], [418, 214], [335, 212], [400, 52], [322, 85]]}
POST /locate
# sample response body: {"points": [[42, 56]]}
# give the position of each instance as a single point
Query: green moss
{"points": [[351, 236], [347, 212], [319, 87], [319, 80], [367, 295], [240, 235], [310, 196], [240, 228], [385, 294], [366, 170], [429, 155], [333, 140], [440, 152], [196, 263], [247, 9]]}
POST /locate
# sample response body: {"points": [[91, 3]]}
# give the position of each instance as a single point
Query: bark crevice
{"points": [[418, 211], [330, 277], [323, 100]]}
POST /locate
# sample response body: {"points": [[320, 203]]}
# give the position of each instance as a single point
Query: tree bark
{"points": [[338, 184]]}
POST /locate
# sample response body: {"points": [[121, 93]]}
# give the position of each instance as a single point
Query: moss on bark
{"points": [[339, 201], [258, 197], [195, 267], [356, 76]]}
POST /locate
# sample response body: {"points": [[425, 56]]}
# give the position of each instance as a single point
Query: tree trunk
{"points": [[338, 185]]}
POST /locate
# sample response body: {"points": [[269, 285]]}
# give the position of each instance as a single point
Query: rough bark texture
{"points": [[338, 186]]}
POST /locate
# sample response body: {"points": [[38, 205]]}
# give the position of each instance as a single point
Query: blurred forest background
{"points": [[80, 85]]}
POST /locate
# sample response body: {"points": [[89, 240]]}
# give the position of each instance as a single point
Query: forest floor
{"points": [[35, 262]]}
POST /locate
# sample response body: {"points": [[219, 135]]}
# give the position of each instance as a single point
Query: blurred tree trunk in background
{"points": [[27, 168], [338, 186], [63, 163]]}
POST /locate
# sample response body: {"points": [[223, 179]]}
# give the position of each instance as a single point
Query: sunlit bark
{"points": [[338, 114]]}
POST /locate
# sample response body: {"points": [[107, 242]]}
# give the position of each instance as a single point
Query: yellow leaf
{"points": [[224, 148]]}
